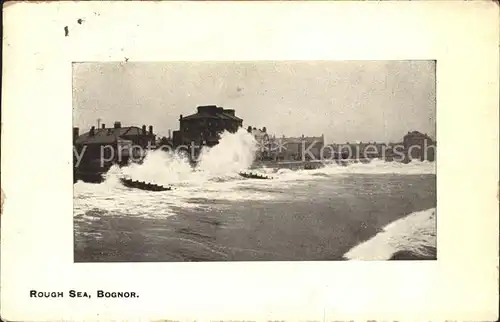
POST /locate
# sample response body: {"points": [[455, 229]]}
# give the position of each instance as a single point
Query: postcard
{"points": [[257, 161]]}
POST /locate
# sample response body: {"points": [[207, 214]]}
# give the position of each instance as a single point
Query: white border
{"points": [[36, 244]]}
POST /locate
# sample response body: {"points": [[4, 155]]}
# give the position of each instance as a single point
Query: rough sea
{"points": [[362, 211]]}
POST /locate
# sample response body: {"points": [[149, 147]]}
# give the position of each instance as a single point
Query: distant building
{"points": [[205, 126], [419, 146], [263, 140], [259, 134], [299, 148], [342, 151], [358, 150]]}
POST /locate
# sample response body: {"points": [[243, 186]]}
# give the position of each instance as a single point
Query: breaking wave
{"points": [[411, 237], [378, 166], [233, 154]]}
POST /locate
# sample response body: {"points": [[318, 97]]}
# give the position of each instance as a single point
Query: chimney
{"points": [[103, 125], [211, 109], [151, 130], [144, 130], [264, 129], [230, 112], [76, 132], [118, 125], [169, 134], [180, 117], [92, 131], [249, 129]]}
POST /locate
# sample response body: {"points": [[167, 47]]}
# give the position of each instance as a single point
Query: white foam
{"points": [[235, 152], [415, 233], [378, 166]]}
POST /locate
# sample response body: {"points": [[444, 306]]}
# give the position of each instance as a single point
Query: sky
{"points": [[347, 101]]}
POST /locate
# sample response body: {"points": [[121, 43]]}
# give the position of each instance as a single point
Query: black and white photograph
{"points": [[254, 161]]}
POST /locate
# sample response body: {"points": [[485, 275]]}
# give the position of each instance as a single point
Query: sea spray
{"points": [[161, 167], [376, 166], [235, 152]]}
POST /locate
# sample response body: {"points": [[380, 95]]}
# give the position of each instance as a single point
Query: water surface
{"points": [[300, 215]]}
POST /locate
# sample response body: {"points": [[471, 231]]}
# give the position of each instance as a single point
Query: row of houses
{"points": [[283, 148], [414, 146], [204, 127]]}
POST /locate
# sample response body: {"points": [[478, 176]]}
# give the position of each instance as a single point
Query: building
{"points": [[298, 148], [357, 150], [138, 136], [334, 151], [96, 150], [419, 146], [205, 126], [264, 143], [260, 135]]}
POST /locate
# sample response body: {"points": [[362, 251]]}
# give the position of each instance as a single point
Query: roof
{"points": [[109, 135], [199, 116], [233, 117], [214, 116], [417, 134]]}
